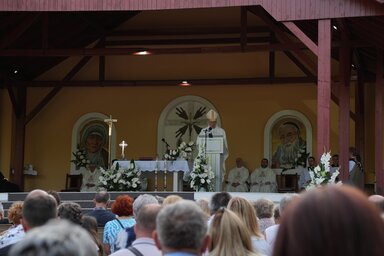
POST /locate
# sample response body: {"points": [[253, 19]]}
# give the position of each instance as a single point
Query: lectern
{"points": [[214, 149]]}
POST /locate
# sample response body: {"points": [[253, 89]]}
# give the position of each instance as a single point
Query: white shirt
{"points": [[271, 234]]}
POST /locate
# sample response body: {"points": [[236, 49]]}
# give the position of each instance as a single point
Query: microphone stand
{"points": [[205, 144]]}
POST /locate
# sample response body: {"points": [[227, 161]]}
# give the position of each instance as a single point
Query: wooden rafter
{"points": [[19, 30], [195, 82]]}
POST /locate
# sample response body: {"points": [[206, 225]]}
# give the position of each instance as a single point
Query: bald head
{"points": [[38, 208]]}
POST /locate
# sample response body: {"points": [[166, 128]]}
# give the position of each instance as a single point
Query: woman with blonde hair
{"points": [[229, 235], [244, 209]]}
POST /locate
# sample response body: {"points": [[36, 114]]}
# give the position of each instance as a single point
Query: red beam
{"points": [[302, 36], [344, 108], [324, 87], [379, 124]]}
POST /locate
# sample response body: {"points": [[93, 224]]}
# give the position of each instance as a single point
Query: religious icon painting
{"points": [[93, 139], [288, 143]]}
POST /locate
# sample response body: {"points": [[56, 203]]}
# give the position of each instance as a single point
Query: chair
{"points": [[73, 183], [287, 183]]}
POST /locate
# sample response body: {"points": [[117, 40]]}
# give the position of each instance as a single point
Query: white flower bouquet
{"points": [[321, 174], [80, 159], [202, 175], [301, 158], [184, 150], [117, 179]]}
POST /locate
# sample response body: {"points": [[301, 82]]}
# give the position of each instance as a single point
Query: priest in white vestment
{"points": [[90, 178], [237, 177], [263, 179], [211, 131]]}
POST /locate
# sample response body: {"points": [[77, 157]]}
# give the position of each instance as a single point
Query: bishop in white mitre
{"points": [[237, 178], [263, 179]]}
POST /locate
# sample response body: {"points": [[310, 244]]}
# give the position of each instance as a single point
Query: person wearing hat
{"points": [[211, 131]]}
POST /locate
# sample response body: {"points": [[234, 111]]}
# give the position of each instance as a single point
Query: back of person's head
{"points": [[229, 235], [171, 199], [285, 201], [56, 238], [332, 220], [204, 205], [70, 211], [89, 223], [245, 211], [181, 225], [264, 208], [146, 217], [38, 208], [102, 197], [377, 200], [142, 200], [220, 199], [55, 195], [123, 206], [15, 212]]}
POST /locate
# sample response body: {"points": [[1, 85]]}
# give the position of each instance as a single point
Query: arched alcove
{"points": [[182, 113], [82, 122], [280, 117]]}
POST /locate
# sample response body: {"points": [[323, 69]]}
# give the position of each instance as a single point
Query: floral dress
{"points": [[12, 235]]}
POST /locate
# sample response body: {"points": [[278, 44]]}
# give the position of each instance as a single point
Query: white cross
{"points": [[123, 145]]}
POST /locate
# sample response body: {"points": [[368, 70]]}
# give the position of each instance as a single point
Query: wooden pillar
{"points": [[344, 106], [18, 136], [379, 171], [323, 86]]}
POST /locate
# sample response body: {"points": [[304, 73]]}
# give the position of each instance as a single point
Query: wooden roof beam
{"points": [[130, 51], [187, 31], [19, 30], [174, 82]]}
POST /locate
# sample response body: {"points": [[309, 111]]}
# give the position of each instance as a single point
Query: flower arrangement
{"points": [[202, 175], [80, 159], [321, 174], [184, 150], [120, 179], [302, 156]]}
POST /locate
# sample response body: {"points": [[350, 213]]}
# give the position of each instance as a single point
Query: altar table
{"points": [[170, 166]]}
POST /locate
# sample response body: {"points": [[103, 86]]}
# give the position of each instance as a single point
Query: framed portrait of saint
{"points": [[289, 146], [93, 139]]}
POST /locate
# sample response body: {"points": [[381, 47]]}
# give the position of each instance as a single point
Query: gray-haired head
{"points": [[102, 197], [56, 238], [181, 225], [285, 201], [142, 200], [70, 211]]}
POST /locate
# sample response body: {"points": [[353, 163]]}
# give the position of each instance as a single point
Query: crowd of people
{"points": [[328, 220]]}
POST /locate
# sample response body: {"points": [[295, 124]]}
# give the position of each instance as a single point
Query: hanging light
{"points": [[142, 53], [184, 84]]}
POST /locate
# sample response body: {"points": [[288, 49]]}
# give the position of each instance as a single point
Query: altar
{"points": [[160, 170]]}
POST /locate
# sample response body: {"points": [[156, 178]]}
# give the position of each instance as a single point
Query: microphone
{"points": [[166, 143], [210, 135]]}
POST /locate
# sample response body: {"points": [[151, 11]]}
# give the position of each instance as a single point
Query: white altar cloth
{"points": [[170, 166]]}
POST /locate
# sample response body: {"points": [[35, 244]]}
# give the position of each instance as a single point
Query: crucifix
{"points": [[123, 145], [110, 122]]}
